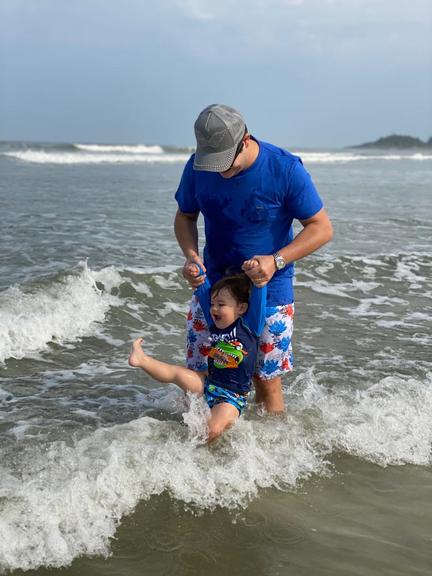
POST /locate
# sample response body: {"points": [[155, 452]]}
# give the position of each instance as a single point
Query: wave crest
{"points": [[47, 157], [119, 148], [62, 311]]}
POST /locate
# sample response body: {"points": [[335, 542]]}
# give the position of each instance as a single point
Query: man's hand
{"points": [[260, 269], [191, 271]]}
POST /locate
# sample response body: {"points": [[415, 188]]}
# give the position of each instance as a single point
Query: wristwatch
{"points": [[279, 261]]}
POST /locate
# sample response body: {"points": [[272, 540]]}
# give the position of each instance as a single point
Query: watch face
{"points": [[280, 263]]}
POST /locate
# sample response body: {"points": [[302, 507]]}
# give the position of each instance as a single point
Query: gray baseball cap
{"points": [[218, 131]]}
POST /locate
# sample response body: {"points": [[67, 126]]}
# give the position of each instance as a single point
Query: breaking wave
{"points": [[63, 310], [66, 500]]}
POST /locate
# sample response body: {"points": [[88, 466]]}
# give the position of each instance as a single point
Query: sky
{"points": [[311, 73]]}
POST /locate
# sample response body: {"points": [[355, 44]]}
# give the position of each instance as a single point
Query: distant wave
{"points": [[54, 157], [40, 153], [134, 149], [95, 154], [344, 157]]}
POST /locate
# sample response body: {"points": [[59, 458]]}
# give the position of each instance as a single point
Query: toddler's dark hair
{"points": [[238, 286]]}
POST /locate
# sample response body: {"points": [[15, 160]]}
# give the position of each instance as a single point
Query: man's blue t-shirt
{"points": [[251, 213]]}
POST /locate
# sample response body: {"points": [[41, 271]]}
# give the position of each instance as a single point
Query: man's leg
{"points": [[197, 338], [274, 357], [269, 393], [223, 415], [187, 380]]}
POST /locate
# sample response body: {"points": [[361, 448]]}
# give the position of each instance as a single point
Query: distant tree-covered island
{"points": [[396, 141]]}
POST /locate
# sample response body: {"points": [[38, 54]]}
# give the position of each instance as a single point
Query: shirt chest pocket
{"points": [[257, 211]]}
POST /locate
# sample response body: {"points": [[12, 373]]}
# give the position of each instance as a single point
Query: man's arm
{"points": [[186, 231], [316, 232]]}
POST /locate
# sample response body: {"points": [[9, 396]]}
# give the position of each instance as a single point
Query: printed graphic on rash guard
{"points": [[227, 354]]}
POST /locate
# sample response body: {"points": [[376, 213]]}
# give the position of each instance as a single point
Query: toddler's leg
{"points": [[186, 379], [223, 415]]}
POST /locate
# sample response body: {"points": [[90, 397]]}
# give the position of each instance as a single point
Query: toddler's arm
{"points": [[203, 295], [255, 315]]}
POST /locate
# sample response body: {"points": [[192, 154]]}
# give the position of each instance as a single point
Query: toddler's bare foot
{"points": [[137, 355]]}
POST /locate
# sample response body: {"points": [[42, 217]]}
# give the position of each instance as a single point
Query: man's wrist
{"points": [[279, 261], [191, 256]]}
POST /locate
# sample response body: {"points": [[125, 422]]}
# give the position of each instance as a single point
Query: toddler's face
{"points": [[225, 309]]}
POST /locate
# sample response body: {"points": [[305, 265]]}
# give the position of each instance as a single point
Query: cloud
{"points": [[197, 9], [109, 62], [203, 10]]}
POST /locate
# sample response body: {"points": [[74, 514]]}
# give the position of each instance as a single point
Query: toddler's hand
{"points": [[250, 264], [191, 271]]}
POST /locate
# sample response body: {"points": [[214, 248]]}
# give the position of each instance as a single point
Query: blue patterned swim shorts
{"points": [[216, 395]]}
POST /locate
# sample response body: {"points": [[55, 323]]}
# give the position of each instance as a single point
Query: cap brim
{"points": [[214, 161]]}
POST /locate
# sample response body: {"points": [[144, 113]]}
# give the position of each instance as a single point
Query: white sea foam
{"points": [[365, 306], [128, 149], [344, 157], [44, 157], [388, 424], [328, 157], [150, 270], [407, 270], [420, 316], [128, 154], [331, 289], [143, 288], [62, 311], [68, 500], [342, 290], [170, 283], [169, 307], [420, 156]]}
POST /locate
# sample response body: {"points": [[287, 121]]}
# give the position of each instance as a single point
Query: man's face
{"points": [[239, 161]]}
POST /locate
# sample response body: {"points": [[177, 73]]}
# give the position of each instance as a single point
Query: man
{"points": [[249, 193]]}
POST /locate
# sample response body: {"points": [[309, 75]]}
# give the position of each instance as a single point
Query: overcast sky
{"points": [[310, 73]]}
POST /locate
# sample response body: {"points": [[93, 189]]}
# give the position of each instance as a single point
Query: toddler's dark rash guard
{"points": [[232, 351]]}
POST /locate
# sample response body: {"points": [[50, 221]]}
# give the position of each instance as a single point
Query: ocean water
{"points": [[103, 471]]}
